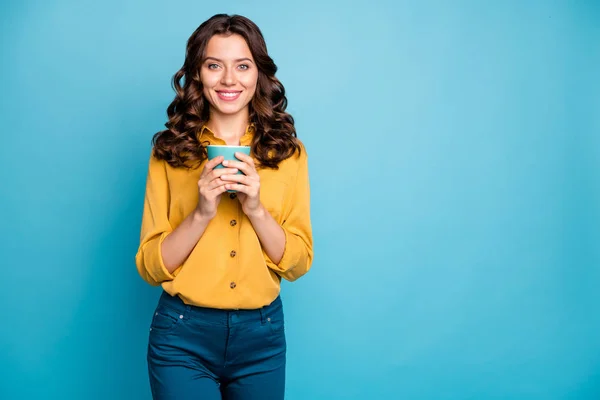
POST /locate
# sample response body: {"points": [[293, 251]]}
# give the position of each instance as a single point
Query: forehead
{"points": [[228, 47]]}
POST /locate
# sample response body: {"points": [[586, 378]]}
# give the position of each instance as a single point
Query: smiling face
{"points": [[229, 75]]}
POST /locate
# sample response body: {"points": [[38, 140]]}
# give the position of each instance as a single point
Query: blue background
{"points": [[454, 154]]}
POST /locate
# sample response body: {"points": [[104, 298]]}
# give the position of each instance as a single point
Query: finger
{"points": [[214, 175], [211, 181], [242, 166], [215, 183], [237, 178], [237, 187], [219, 190], [205, 187], [245, 158], [211, 164], [223, 171]]}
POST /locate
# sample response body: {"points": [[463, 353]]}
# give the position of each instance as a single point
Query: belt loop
{"points": [[263, 315]]}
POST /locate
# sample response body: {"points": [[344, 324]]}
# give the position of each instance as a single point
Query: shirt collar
{"points": [[207, 134]]}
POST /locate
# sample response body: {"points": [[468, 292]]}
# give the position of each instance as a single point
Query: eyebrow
{"points": [[219, 60]]}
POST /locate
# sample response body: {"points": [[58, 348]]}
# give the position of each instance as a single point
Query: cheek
{"points": [[209, 81], [250, 83]]}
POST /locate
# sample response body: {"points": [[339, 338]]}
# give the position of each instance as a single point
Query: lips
{"points": [[228, 95]]}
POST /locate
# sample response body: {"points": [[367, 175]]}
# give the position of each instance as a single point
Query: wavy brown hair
{"points": [[275, 136]]}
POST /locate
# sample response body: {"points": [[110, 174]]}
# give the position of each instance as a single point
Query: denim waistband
{"points": [[220, 316]]}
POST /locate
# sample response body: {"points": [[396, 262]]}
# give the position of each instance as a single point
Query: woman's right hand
{"points": [[211, 187]]}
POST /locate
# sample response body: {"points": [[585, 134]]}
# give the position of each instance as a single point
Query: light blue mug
{"points": [[228, 153]]}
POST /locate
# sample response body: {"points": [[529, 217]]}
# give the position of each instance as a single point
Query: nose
{"points": [[228, 77]]}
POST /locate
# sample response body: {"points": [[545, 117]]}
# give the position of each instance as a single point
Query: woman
{"points": [[219, 242]]}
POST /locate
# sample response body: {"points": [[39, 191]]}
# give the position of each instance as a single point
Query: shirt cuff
{"points": [[154, 261], [290, 257]]}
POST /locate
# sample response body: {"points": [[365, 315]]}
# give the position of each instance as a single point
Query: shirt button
{"points": [[232, 195], [233, 222], [232, 285], [233, 253]]}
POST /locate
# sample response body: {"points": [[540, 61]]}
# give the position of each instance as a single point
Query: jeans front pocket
{"points": [[165, 320], [276, 322]]}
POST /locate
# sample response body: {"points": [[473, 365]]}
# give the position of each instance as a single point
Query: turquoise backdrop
{"points": [[454, 156]]}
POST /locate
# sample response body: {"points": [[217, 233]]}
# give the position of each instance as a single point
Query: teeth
{"points": [[229, 94]]}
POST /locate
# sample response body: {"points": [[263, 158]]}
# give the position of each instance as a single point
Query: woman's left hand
{"points": [[247, 184]]}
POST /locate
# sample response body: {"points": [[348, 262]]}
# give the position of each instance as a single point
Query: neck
{"points": [[230, 128]]}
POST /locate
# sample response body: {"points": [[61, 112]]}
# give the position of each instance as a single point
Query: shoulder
{"points": [[155, 163], [298, 158], [160, 166], [300, 154], [301, 145]]}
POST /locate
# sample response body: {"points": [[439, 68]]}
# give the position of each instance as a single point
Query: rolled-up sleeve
{"points": [[155, 226], [298, 253]]}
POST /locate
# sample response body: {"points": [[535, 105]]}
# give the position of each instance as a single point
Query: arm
{"points": [[177, 246], [298, 254], [269, 232], [288, 248], [163, 250], [155, 226]]}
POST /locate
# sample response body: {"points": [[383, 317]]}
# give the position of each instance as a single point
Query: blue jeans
{"points": [[209, 354]]}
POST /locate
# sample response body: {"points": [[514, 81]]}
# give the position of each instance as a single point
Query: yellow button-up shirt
{"points": [[227, 269]]}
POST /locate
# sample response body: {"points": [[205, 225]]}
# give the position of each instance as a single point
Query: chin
{"points": [[229, 109]]}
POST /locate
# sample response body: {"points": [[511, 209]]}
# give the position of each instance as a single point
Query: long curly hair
{"points": [[275, 137]]}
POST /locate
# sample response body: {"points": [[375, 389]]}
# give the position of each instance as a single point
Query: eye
{"points": [[213, 66], [244, 66]]}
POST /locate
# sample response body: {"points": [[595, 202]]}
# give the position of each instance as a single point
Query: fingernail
{"points": [[225, 163]]}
